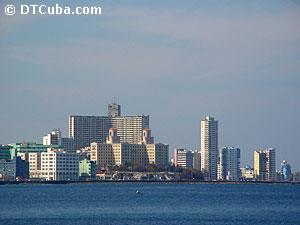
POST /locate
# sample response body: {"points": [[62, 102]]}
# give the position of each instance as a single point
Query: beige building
{"points": [[264, 165], [34, 160], [209, 147], [113, 152]]}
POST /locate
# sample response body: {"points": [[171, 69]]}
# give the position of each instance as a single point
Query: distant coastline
{"points": [[147, 181]]}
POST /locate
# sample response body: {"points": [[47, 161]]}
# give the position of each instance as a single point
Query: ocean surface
{"points": [[162, 203]]}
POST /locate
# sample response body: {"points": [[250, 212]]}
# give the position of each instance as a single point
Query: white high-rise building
{"points": [[209, 147], [58, 165], [229, 164]]}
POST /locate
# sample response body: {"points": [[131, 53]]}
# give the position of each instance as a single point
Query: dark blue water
{"points": [[118, 203]]}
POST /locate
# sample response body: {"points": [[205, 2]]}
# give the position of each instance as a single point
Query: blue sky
{"points": [[177, 61]]}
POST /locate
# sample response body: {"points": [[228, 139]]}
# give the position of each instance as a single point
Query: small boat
{"points": [[138, 192]]}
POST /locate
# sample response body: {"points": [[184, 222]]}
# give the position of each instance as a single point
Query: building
{"points": [[247, 173], [52, 138], [286, 171], [209, 147], [114, 110], [5, 152], [12, 169], [87, 169], [183, 158], [34, 160], [113, 152], [265, 165], [229, 163], [196, 160], [19, 149], [59, 165], [87, 129]]}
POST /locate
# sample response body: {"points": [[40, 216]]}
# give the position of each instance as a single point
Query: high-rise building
{"points": [[113, 152], [286, 171], [87, 129], [183, 158], [229, 162], [209, 147], [114, 110], [265, 165], [130, 128], [52, 138], [59, 165]]}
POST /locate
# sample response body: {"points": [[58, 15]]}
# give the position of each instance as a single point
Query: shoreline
{"points": [[147, 181]]}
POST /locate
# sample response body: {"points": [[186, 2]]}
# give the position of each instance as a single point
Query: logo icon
{"points": [[10, 10]]}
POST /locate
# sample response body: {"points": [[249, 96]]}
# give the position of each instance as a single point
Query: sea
{"points": [[150, 203]]}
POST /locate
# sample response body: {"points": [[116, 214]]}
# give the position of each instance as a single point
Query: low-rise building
{"points": [[12, 169], [183, 158], [59, 165], [87, 169], [113, 152]]}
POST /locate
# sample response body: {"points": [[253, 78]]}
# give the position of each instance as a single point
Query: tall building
{"points": [[58, 165], [114, 110], [265, 165], [286, 171], [229, 164], [87, 129], [130, 128], [113, 152], [183, 158], [52, 138], [209, 147]]}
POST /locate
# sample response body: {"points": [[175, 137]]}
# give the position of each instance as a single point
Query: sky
{"points": [[177, 61]]}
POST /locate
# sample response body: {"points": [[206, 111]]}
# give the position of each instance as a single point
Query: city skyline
{"points": [[176, 61], [209, 133]]}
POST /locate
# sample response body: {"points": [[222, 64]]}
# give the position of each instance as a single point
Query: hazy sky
{"points": [[177, 61]]}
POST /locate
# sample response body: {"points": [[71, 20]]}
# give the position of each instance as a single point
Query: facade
{"points": [[265, 165], [286, 171], [229, 164], [209, 147], [87, 169], [183, 158], [113, 152], [58, 165]]}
